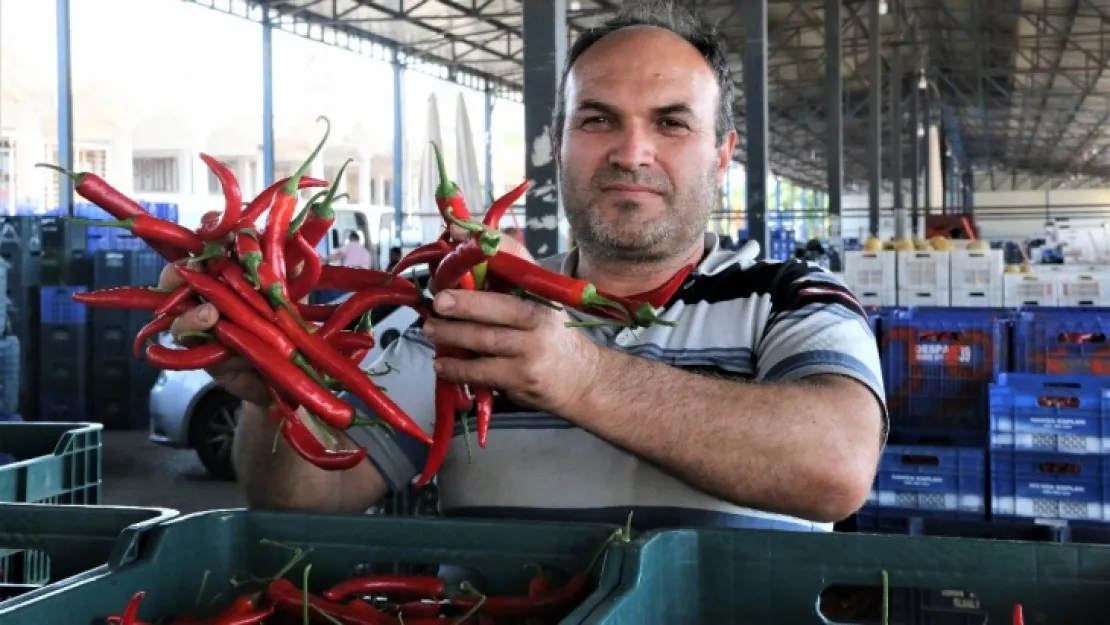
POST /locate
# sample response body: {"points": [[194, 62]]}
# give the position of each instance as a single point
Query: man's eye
{"points": [[594, 121], [672, 123]]}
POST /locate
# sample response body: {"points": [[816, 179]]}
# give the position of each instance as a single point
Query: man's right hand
{"points": [[236, 375]]}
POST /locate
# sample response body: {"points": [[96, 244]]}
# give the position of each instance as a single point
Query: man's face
{"points": [[639, 165]]}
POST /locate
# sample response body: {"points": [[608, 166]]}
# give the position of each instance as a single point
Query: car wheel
{"points": [[212, 432]]}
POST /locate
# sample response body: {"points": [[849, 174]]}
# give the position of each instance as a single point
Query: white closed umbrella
{"points": [[430, 225], [466, 161]]}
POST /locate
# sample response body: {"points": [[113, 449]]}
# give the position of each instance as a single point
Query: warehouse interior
{"points": [[946, 163]]}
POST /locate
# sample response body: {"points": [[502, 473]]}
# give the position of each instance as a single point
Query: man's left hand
{"points": [[523, 348]]}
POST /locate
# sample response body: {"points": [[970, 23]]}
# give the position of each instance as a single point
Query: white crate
{"points": [[877, 298], [922, 297], [1030, 289], [1083, 289], [924, 271], [982, 298], [870, 271], [976, 270]]}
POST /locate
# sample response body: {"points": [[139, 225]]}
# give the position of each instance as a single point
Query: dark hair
{"points": [[353, 235], [660, 14]]}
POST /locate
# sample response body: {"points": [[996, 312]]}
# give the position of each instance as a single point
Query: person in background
{"points": [[353, 254], [394, 257]]}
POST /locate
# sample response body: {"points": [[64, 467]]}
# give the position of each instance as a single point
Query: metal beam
{"points": [[398, 184], [65, 106], [755, 92], [545, 42], [875, 136], [487, 110], [898, 203], [915, 158], [834, 142], [268, 159]]}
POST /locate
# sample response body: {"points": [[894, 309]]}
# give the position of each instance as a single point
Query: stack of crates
{"points": [[62, 354], [782, 244]]}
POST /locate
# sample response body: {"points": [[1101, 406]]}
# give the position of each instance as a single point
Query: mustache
{"points": [[657, 183]]}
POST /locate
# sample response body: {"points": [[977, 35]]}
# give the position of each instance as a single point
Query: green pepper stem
{"points": [[105, 223], [332, 197], [77, 178], [446, 188], [466, 434], [376, 373], [646, 316], [597, 324], [590, 297], [470, 226], [298, 221], [294, 183]]}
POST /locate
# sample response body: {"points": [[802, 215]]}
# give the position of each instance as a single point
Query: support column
{"points": [[915, 159], [896, 128], [396, 187], [365, 189], [65, 107], [488, 156], [267, 99], [545, 42], [834, 126], [755, 91], [875, 113], [934, 188]]}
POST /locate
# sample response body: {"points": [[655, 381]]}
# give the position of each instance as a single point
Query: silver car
{"points": [[188, 410]]}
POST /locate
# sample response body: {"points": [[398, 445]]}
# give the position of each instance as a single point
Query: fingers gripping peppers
{"points": [[238, 311], [233, 201], [458, 263], [550, 285]]}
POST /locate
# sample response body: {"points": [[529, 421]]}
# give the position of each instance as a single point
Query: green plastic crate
{"points": [[176, 556], [57, 463], [775, 578], [71, 540]]}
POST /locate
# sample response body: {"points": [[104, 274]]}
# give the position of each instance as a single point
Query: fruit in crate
{"points": [[1012, 269], [872, 244], [941, 244], [978, 246], [904, 245], [921, 245]]}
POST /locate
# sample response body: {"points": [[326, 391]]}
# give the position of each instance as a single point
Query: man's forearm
{"points": [[807, 449], [273, 476]]}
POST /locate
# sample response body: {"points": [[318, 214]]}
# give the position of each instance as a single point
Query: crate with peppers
{"points": [[238, 567], [258, 275]]}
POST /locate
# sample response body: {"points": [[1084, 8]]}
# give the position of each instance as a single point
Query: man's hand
{"points": [[524, 349]]}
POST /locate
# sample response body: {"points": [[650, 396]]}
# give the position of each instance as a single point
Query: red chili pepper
{"points": [[483, 412], [559, 288], [281, 213], [643, 314], [660, 295], [1019, 615], [249, 618], [350, 341], [180, 297], [131, 613], [538, 587], [497, 210], [156, 326], [151, 229], [434, 251], [301, 440], [125, 298], [570, 593], [233, 201], [285, 375], [201, 357], [448, 195], [458, 263], [210, 220], [337, 278], [316, 348], [237, 310], [318, 313], [357, 305], [399, 585], [446, 415], [249, 251], [319, 217], [285, 596], [266, 199], [302, 285], [97, 190], [419, 609], [233, 276]]}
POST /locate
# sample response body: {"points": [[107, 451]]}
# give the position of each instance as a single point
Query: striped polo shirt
{"points": [[735, 318]]}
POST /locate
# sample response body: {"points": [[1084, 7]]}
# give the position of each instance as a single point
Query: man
{"points": [[762, 408], [353, 254]]}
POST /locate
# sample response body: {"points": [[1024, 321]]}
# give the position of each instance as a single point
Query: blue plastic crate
{"points": [[1037, 412], [1049, 486], [57, 306], [1063, 341], [942, 480], [937, 363], [9, 375]]}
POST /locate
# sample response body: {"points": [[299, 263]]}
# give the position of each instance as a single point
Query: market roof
{"points": [[1021, 80]]}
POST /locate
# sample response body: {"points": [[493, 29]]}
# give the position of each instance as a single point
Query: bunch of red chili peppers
{"points": [[258, 276], [391, 599]]}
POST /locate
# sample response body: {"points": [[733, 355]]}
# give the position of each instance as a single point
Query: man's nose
{"points": [[633, 148]]}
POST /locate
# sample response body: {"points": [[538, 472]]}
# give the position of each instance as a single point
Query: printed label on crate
{"points": [[932, 353], [919, 481], [1029, 423], [1049, 490]]}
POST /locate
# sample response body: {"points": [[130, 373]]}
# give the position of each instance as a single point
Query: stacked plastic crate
{"points": [[937, 367], [21, 248], [1050, 444]]}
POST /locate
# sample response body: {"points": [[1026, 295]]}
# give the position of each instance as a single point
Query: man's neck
{"points": [[630, 278]]}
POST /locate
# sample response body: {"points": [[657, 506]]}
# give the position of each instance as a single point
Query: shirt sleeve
{"points": [[398, 457], [816, 326]]}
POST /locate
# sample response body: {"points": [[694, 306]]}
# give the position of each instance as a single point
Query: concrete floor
{"points": [[137, 472]]}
